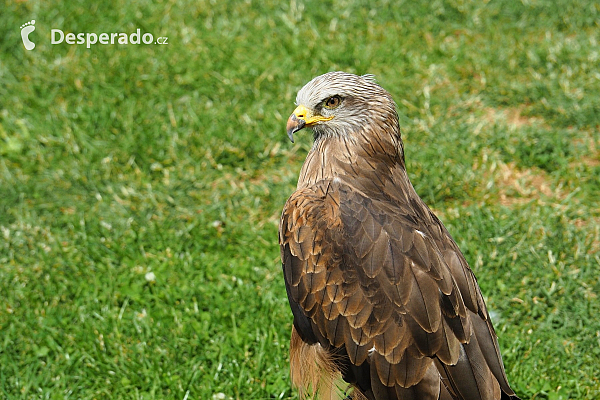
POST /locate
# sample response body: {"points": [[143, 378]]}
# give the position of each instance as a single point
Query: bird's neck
{"points": [[364, 155]]}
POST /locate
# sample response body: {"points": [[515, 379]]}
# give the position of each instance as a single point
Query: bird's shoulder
{"points": [[347, 209]]}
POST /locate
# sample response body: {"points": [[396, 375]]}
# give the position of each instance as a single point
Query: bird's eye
{"points": [[333, 102]]}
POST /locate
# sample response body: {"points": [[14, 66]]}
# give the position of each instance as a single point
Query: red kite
{"points": [[383, 300]]}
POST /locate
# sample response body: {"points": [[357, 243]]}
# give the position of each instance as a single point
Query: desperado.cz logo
{"points": [[58, 36]]}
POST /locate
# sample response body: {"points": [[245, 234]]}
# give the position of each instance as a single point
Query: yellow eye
{"points": [[333, 102]]}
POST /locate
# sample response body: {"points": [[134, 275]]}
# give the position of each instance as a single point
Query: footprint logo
{"points": [[26, 29]]}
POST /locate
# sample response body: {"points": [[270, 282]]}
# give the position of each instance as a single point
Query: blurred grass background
{"points": [[141, 185]]}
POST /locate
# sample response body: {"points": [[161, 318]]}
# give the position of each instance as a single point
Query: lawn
{"points": [[141, 185]]}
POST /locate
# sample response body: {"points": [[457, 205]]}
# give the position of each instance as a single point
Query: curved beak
{"points": [[300, 118], [294, 124]]}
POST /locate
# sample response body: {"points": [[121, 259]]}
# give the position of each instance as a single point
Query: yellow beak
{"points": [[300, 118]]}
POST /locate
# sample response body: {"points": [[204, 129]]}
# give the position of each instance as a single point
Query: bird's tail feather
{"points": [[315, 372]]}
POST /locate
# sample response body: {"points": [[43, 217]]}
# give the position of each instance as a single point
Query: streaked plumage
{"points": [[381, 295]]}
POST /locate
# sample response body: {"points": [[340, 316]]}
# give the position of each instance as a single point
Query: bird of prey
{"points": [[385, 306]]}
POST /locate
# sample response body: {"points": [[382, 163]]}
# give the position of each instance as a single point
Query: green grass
{"points": [[117, 161]]}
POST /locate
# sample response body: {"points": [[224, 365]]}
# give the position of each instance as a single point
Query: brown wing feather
{"points": [[386, 285]]}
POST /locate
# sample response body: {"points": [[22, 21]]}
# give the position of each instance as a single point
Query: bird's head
{"points": [[339, 103]]}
